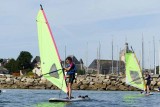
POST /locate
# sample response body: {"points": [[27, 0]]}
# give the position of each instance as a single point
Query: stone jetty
{"points": [[82, 82]]}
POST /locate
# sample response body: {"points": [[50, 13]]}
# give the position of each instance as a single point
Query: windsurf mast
{"points": [[41, 7], [134, 75], [50, 58]]}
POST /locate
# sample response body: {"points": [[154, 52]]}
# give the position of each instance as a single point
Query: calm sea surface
{"points": [[39, 98]]}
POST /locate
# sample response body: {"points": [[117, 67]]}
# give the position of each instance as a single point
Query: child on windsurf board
{"points": [[70, 69], [148, 82], [147, 79]]}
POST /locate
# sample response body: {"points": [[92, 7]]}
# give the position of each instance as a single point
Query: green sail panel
{"points": [[50, 60], [133, 72]]}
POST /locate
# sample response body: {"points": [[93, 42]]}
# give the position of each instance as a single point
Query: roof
{"points": [[3, 70], [104, 63]]}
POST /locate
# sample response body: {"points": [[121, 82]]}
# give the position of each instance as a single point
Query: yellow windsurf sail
{"points": [[133, 71], [50, 59]]}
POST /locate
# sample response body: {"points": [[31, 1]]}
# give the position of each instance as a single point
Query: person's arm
{"points": [[146, 77], [68, 68]]}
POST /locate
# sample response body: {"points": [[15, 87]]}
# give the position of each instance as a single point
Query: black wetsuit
{"points": [[148, 80]]}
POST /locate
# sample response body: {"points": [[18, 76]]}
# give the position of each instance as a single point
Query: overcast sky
{"points": [[76, 22]]}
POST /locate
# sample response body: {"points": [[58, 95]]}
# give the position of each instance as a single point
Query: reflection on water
{"points": [[48, 104], [132, 98]]}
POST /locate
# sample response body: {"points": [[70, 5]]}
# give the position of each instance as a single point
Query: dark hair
{"points": [[69, 58]]}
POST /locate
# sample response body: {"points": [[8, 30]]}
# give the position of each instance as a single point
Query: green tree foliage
{"points": [[1, 60], [24, 60], [12, 66], [80, 72]]}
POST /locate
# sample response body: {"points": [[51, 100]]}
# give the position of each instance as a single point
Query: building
{"points": [[3, 70], [36, 61], [105, 66], [4, 61]]}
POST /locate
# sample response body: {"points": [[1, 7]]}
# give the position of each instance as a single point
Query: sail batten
{"points": [[134, 72], [50, 58]]}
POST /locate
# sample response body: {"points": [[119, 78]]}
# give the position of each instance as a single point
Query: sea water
{"points": [[39, 98]]}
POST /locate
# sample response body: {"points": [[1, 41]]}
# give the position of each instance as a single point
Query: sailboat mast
{"points": [[99, 57], [86, 59], [154, 55], [117, 61], [149, 59], [142, 54], [112, 55], [97, 61], [159, 57], [65, 56]]}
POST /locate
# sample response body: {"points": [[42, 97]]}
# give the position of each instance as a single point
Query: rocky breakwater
{"points": [[102, 82], [109, 83], [83, 82], [10, 82]]}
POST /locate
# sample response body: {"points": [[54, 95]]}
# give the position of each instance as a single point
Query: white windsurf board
{"points": [[68, 100]]}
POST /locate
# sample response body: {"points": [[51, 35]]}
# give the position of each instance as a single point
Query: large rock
{"points": [[113, 83], [158, 84], [104, 85], [3, 82], [49, 85], [75, 86], [83, 87], [101, 78], [99, 82], [107, 76], [91, 83], [122, 87], [18, 78], [92, 87], [80, 79], [111, 88], [2, 79], [90, 79], [29, 80], [105, 80], [36, 87], [100, 86], [85, 82], [123, 80], [9, 81], [23, 79], [153, 83], [43, 81], [9, 76], [154, 79]]}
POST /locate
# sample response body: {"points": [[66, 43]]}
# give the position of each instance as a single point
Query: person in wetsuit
{"points": [[70, 69], [148, 83]]}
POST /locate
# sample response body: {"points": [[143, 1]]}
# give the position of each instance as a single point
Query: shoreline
{"points": [[88, 82]]}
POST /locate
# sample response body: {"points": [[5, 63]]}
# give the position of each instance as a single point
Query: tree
{"points": [[24, 60], [12, 66], [80, 72], [1, 60]]}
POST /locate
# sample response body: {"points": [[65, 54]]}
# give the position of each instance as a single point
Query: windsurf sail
{"points": [[133, 71], [50, 58]]}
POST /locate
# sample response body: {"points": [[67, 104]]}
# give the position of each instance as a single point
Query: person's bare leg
{"points": [[147, 89], [69, 90]]}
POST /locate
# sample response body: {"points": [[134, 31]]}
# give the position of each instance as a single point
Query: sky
{"points": [[76, 23]]}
